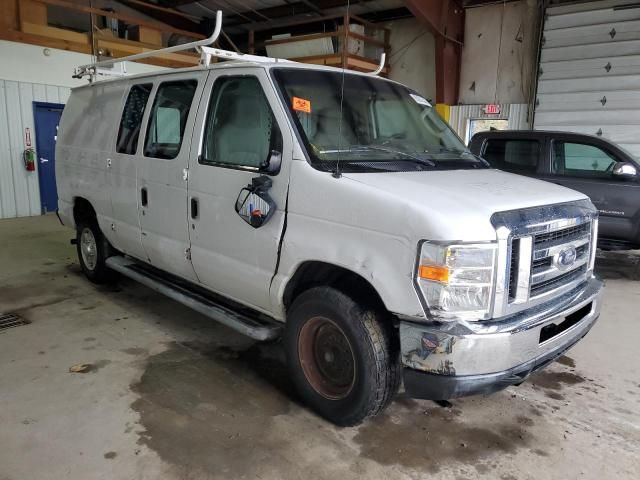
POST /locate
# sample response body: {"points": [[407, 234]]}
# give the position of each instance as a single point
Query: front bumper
{"points": [[450, 360]]}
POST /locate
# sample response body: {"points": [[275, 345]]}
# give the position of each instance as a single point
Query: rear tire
{"points": [[93, 250], [342, 356]]}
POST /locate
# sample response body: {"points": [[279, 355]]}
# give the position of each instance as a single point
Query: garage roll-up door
{"points": [[589, 79]]}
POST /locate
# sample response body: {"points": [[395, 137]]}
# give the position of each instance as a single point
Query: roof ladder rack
{"points": [[96, 68], [202, 46], [209, 52]]}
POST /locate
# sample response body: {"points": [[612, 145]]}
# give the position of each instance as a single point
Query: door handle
{"points": [[194, 208], [43, 160], [144, 199]]}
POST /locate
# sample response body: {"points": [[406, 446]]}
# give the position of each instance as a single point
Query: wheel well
{"points": [[313, 274], [83, 210]]}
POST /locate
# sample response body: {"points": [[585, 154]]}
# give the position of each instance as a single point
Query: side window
{"points": [[581, 160], [520, 156], [168, 118], [240, 129], [132, 118]]}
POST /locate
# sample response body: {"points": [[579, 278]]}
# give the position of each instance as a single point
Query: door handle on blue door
{"points": [[144, 199]]}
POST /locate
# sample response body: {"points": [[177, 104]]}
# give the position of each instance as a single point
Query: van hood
{"points": [[460, 203]]}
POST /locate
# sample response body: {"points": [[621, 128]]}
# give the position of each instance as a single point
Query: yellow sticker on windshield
{"points": [[301, 105]]}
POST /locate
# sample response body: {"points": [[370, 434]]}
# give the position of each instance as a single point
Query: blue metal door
{"points": [[47, 119]]}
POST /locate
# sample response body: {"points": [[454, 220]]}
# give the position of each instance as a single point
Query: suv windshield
{"points": [[384, 126]]}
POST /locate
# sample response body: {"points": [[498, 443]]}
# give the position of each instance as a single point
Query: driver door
{"points": [[244, 125], [588, 168]]}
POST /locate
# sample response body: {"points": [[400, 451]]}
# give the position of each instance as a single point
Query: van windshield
{"points": [[384, 126]]}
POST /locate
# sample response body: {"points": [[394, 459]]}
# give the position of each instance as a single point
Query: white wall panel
{"points": [[26, 115], [413, 56], [29, 63], [589, 78], [19, 189], [7, 190], [498, 55], [31, 73], [14, 122]]}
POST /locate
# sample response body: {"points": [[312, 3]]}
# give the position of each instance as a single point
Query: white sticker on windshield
{"points": [[420, 100]]}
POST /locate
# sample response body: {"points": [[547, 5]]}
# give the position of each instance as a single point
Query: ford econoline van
{"points": [[337, 210]]}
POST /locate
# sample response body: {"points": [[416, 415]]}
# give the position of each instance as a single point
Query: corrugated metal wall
{"points": [[19, 190], [515, 113], [589, 78]]}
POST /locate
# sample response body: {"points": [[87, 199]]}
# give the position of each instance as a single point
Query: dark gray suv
{"points": [[600, 169]]}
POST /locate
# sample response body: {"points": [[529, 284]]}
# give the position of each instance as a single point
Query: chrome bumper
{"points": [[463, 359]]}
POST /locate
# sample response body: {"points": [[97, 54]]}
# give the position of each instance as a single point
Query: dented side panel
{"points": [[345, 223]]}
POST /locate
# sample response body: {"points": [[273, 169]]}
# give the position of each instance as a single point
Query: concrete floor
{"points": [[172, 395]]}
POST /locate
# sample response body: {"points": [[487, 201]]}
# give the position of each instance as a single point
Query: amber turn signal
{"points": [[437, 274]]}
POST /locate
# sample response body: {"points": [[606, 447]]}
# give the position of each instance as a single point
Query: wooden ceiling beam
{"points": [[171, 17]]}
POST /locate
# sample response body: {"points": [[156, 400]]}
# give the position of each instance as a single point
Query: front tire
{"points": [[342, 357], [93, 250]]}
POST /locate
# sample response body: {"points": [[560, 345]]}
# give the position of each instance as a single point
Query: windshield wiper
{"points": [[457, 152], [422, 161], [464, 152]]}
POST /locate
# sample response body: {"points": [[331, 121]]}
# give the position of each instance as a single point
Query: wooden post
{"points": [[9, 15], [345, 43], [387, 49], [252, 42], [92, 35], [445, 19]]}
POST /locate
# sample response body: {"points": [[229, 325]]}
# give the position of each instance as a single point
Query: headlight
{"points": [[456, 281]]}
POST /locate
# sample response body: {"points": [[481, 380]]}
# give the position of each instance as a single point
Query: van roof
{"points": [[235, 64]]}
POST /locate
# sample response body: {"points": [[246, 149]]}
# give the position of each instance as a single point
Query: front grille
{"points": [[562, 236], [541, 265], [513, 268], [555, 282], [547, 273]]}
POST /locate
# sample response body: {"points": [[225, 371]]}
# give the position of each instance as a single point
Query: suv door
{"points": [[243, 124], [162, 172], [516, 155], [588, 168]]}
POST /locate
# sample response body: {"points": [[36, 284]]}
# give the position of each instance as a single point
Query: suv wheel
{"points": [[93, 250], [343, 360]]}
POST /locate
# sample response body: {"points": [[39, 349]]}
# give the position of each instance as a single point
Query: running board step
{"points": [[253, 327]]}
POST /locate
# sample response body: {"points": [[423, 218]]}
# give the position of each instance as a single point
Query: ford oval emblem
{"points": [[566, 258]]}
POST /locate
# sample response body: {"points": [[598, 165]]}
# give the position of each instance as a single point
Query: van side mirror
{"points": [[254, 204], [625, 170], [272, 165]]}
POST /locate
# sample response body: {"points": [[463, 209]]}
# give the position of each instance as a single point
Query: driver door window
{"points": [[581, 160]]}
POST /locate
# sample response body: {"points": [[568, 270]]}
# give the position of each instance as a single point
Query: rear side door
{"points": [[588, 167], [123, 170], [521, 155], [243, 125], [162, 172]]}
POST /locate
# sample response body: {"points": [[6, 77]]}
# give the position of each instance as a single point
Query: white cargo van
{"points": [[337, 209]]}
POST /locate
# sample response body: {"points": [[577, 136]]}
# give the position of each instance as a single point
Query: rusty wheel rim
{"points": [[89, 249], [327, 358]]}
